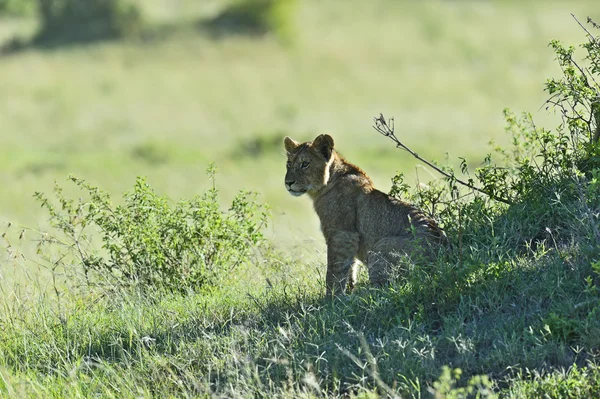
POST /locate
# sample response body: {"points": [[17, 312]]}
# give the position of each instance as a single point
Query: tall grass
{"points": [[281, 339]]}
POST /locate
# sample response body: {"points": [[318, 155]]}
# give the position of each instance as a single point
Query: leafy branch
{"points": [[576, 95], [387, 129]]}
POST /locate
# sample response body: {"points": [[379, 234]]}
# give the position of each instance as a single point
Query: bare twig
{"points": [[592, 37], [387, 129]]}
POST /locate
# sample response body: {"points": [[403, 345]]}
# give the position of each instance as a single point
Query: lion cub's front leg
{"points": [[342, 247]]}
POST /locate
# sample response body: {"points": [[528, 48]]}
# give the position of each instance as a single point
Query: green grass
{"points": [[282, 339], [517, 323], [444, 70]]}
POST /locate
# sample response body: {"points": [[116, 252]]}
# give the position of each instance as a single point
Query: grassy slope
{"points": [[105, 112], [513, 320]]}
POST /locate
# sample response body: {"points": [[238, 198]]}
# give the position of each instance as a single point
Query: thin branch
{"points": [[596, 136], [592, 37], [583, 74], [387, 129]]}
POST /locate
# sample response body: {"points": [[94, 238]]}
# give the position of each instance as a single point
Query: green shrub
{"points": [[577, 382], [257, 17], [150, 243], [446, 386], [543, 190], [87, 20]]}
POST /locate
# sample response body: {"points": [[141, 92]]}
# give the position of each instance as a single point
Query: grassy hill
{"points": [[514, 311]]}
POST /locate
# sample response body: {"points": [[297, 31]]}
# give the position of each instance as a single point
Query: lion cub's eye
{"points": [[288, 164], [305, 165]]}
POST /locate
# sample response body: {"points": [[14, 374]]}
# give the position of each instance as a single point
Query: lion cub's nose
{"points": [[289, 183]]}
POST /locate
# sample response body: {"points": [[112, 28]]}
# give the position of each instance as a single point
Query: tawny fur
{"points": [[359, 222]]}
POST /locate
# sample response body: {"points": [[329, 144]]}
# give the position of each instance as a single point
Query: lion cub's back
{"points": [[379, 215]]}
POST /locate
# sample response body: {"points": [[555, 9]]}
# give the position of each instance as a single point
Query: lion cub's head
{"points": [[308, 164]]}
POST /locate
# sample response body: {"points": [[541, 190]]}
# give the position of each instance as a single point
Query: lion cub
{"points": [[358, 221]]}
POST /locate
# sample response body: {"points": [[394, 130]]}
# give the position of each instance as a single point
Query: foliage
{"points": [[576, 382], [549, 178], [445, 386], [151, 244], [87, 20], [257, 17]]}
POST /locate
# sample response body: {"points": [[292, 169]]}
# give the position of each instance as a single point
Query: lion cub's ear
{"points": [[290, 144], [324, 145]]}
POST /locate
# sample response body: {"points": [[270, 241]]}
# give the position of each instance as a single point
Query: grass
{"points": [[444, 70], [519, 323], [283, 339]]}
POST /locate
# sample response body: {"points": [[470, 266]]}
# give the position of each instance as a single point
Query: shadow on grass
{"points": [[538, 313], [495, 319], [222, 26], [70, 39], [225, 25]]}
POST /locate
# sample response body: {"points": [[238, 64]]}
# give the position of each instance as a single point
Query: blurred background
{"points": [[112, 89]]}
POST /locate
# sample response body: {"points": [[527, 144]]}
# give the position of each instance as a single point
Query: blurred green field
{"points": [[166, 107]]}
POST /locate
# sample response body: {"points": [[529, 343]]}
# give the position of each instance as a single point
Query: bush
{"points": [[544, 190], [257, 17], [87, 20], [577, 382], [149, 243]]}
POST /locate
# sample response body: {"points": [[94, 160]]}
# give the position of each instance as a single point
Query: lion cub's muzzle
{"points": [[289, 186]]}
